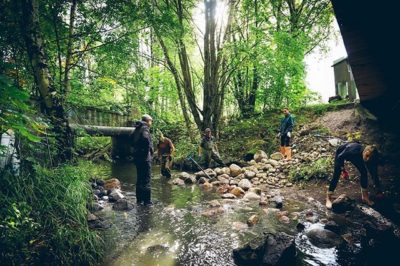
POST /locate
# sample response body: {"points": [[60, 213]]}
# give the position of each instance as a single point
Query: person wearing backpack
{"points": [[143, 153]]}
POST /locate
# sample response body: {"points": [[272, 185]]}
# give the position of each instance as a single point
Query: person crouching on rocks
{"points": [[364, 159], [165, 149], [208, 149]]}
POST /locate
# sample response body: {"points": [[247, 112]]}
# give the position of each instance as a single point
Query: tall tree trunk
{"points": [[48, 93], [68, 58]]}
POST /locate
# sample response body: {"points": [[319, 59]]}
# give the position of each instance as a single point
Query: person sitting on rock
{"points": [[165, 149], [364, 159], [208, 149], [285, 132]]}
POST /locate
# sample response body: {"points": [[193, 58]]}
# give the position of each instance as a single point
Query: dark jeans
{"points": [[362, 168], [285, 140], [143, 189]]}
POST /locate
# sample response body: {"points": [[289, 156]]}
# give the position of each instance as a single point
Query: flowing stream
{"points": [[174, 231]]}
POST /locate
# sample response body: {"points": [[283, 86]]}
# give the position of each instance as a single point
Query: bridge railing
{"points": [[97, 117]]}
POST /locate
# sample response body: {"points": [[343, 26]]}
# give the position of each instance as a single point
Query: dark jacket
{"points": [[352, 152], [142, 143], [286, 124], [207, 143]]}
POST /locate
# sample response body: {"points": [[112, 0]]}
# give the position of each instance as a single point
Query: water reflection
{"points": [[175, 232]]}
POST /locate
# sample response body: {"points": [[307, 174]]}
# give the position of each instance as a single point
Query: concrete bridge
{"points": [[97, 122], [368, 29]]}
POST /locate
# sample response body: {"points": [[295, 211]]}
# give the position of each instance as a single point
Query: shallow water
{"points": [[174, 231]]}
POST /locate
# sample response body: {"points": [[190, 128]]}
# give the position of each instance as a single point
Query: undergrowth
{"points": [[43, 218]]}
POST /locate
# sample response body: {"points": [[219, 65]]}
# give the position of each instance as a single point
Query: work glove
{"points": [[288, 134], [279, 135], [345, 174]]}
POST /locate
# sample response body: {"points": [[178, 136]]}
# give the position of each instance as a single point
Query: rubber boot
{"points": [[329, 199], [288, 152], [365, 197], [282, 150]]}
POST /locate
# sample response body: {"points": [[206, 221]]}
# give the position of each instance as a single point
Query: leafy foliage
{"points": [[43, 218], [315, 170]]}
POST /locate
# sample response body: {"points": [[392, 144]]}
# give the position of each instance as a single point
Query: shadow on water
{"points": [[175, 232]]}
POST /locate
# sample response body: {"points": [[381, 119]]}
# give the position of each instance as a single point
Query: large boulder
{"points": [[323, 238], [123, 205], [259, 155], [268, 250], [115, 195], [235, 170], [342, 204]]}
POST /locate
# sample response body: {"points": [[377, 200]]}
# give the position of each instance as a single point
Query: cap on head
{"points": [[147, 118]]}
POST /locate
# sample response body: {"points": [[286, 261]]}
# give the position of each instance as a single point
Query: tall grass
{"points": [[43, 218]]}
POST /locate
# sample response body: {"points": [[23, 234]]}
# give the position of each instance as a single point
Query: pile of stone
{"points": [[106, 192]]}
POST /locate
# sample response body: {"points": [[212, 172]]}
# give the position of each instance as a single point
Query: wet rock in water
{"points": [[332, 226], [300, 227], [260, 155], [105, 198], [311, 216], [253, 220], [263, 202], [123, 205], [276, 156], [237, 191], [112, 183], [115, 195], [269, 249], [184, 176], [342, 204], [249, 174], [201, 180], [97, 192], [96, 207], [178, 182], [323, 238], [245, 184], [239, 226], [157, 249], [228, 196], [235, 170], [251, 196], [214, 203]]}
